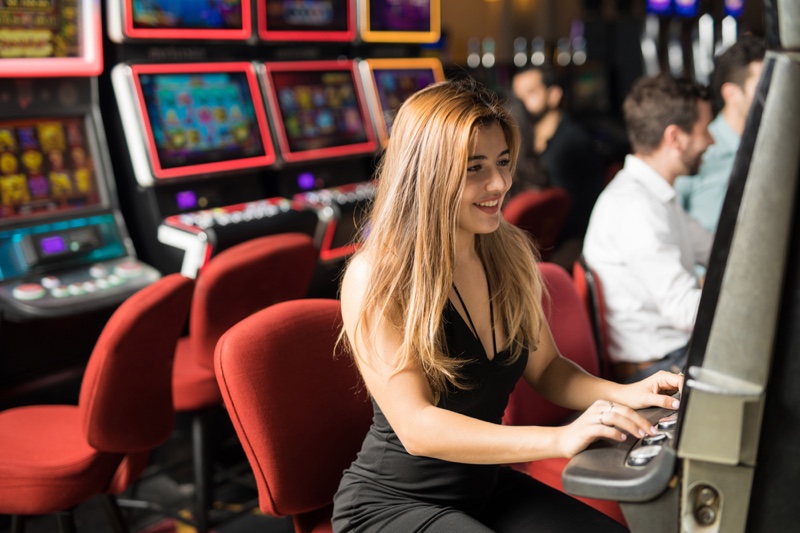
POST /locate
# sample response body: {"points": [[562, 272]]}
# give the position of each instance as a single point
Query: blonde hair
{"points": [[412, 227]]}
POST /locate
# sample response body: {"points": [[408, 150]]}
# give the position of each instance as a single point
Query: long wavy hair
{"points": [[412, 226]]}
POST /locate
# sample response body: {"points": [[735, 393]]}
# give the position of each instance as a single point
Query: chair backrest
{"points": [[541, 213], [244, 279], [590, 290], [126, 393], [573, 336], [299, 409]]}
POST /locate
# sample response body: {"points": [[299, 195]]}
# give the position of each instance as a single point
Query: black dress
{"points": [[387, 489]]}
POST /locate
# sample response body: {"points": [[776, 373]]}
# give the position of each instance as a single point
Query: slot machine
{"points": [[196, 151], [325, 135], [66, 259], [726, 460]]}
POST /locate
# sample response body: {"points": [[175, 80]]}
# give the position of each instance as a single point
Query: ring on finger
{"points": [[601, 419], [610, 407]]}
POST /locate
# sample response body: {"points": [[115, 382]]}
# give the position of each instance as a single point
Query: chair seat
{"points": [[46, 464], [548, 471], [194, 386]]}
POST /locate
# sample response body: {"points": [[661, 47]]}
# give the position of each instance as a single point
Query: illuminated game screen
{"points": [[320, 110], [45, 167], [313, 19], [396, 85], [400, 15], [202, 118], [659, 7], [733, 8], [40, 28], [187, 14], [686, 8]]}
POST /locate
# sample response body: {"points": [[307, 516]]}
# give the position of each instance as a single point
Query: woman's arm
{"points": [[563, 382]]}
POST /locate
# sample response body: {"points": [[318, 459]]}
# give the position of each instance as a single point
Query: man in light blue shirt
{"points": [[734, 84]]}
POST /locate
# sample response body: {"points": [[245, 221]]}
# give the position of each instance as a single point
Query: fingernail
{"points": [[642, 433], [653, 430], [676, 404], [624, 436]]}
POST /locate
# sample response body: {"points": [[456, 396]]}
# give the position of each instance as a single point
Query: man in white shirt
{"points": [[640, 242]]}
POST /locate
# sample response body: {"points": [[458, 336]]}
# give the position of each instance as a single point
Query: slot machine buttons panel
{"points": [[86, 288]]}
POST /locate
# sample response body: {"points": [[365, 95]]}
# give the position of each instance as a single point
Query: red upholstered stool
{"points": [[236, 283], [299, 409], [54, 457], [590, 290], [572, 333]]}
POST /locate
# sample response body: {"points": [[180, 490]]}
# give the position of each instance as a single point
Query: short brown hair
{"points": [[656, 102], [733, 65]]}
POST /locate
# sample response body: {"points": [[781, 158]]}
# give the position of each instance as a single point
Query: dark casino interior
{"points": [[170, 169]]}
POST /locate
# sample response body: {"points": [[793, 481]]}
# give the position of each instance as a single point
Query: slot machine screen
{"points": [[412, 21], [202, 118], [46, 167], [45, 38], [733, 8], [397, 79], [686, 8], [659, 7], [177, 19], [308, 20], [319, 110]]}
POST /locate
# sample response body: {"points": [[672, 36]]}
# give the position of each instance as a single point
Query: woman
{"points": [[442, 314]]}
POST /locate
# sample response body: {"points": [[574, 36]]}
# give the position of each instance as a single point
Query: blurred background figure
{"points": [[734, 84]]}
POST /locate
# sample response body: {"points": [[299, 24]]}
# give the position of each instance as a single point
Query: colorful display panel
{"points": [[319, 110], [306, 20], [686, 8], [733, 8], [659, 7], [394, 80], [405, 21], [187, 19], [46, 167], [44, 38], [202, 118]]}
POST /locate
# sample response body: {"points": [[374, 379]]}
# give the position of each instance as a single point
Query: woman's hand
{"points": [[603, 419], [653, 391]]}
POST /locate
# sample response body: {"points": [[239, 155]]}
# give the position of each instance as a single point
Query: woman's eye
{"points": [[474, 168], [504, 162]]}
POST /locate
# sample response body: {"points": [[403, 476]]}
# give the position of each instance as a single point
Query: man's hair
{"points": [[551, 76], [656, 102], [733, 65]]}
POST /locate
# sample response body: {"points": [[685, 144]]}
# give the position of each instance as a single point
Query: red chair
{"points": [[590, 290], [236, 283], [541, 213], [299, 409], [573, 335], [54, 457]]}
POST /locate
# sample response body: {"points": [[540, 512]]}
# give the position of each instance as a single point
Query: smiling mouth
{"points": [[491, 203]]}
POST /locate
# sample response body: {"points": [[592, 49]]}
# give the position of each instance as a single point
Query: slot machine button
{"points": [[59, 292], [89, 286], [650, 440], [128, 270], [50, 282], [98, 271], [115, 280], [75, 289], [236, 217], [102, 283], [28, 291], [668, 422], [642, 456]]}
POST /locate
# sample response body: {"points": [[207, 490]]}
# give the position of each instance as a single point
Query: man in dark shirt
{"points": [[566, 150]]}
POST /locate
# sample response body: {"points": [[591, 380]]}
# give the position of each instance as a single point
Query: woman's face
{"points": [[487, 181]]}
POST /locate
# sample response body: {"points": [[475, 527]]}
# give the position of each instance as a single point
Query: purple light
{"points": [[53, 245], [306, 180], [186, 200]]}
